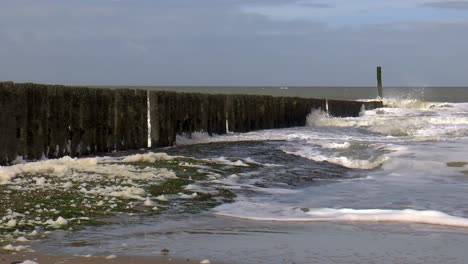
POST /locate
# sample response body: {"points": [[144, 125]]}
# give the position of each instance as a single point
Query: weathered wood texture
{"points": [[52, 121], [379, 81]]}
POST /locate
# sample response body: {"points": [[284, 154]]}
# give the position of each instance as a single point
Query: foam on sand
{"points": [[53, 166], [13, 248], [29, 262]]}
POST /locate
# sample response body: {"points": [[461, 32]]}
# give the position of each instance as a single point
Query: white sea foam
{"points": [[188, 196], [259, 135], [410, 103], [29, 262], [224, 161], [150, 157], [50, 167], [340, 160], [66, 167], [130, 192], [317, 118], [334, 145], [59, 222], [19, 248], [400, 122], [429, 217], [40, 181], [399, 118], [22, 239], [251, 161], [11, 223], [125, 171], [149, 202], [162, 198], [194, 138]]}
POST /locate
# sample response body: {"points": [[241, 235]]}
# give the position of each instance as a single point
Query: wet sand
{"points": [[227, 240], [40, 258]]}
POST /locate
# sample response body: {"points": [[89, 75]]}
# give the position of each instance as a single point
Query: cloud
{"points": [[456, 5], [231, 42], [359, 12], [315, 5]]}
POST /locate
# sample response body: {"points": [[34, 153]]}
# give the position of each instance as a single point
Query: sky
{"points": [[234, 42]]}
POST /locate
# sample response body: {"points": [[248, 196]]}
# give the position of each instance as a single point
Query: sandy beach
{"points": [[42, 258]]}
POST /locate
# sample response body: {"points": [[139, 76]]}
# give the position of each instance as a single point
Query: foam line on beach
{"points": [[67, 165], [428, 217]]}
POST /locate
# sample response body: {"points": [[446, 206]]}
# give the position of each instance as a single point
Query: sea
{"points": [[389, 186]]}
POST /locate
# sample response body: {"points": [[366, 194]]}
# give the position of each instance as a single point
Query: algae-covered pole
{"points": [[379, 81]]}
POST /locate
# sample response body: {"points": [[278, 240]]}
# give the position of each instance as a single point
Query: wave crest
{"points": [[342, 160]]}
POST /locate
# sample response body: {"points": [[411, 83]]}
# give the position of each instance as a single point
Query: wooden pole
{"points": [[379, 81]]}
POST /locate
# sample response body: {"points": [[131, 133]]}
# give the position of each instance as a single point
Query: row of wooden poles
{"points": [[38, 120]]}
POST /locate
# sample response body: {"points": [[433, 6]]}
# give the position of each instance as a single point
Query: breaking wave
{"points": [[402, 122], [366, 164]]}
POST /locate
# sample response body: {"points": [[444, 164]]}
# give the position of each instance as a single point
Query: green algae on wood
{"points": [[457, 164]]}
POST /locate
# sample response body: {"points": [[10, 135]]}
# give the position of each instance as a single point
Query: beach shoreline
{"points": [[45, 258]]}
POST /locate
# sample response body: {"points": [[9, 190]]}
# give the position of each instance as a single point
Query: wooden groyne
{"points": [[48, 121]]}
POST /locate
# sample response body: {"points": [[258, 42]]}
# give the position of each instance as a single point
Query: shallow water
{"points": [[240, 241], [386, 187]]}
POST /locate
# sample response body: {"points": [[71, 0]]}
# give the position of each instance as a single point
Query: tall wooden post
{"points": [[379, 81]]}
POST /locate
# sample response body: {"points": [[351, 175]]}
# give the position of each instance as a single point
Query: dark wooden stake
{"points": [[379, 81]]}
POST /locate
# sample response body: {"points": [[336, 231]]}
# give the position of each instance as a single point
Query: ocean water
{"points": [[388, 186], [428, 94]]}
